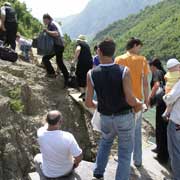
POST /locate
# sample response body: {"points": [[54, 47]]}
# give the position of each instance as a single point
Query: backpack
{"points": [[45, 44], [72, 81], [8, 54]]}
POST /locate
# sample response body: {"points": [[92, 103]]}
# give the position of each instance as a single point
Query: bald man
{"points": [[60, 153]]}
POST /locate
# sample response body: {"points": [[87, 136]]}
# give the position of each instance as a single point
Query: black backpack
{"points": [[72, 81], [8, 54]]}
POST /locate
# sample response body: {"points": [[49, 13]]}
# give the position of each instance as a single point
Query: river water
{"points": [[150, 116]]}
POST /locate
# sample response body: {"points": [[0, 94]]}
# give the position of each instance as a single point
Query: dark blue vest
{"points": [[108, 85]]}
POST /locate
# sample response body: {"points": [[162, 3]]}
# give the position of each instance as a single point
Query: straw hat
{"points": [[81, 38]]}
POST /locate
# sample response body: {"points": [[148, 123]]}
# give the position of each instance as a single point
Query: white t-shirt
{"points": [[58, 149], [24, 42]]}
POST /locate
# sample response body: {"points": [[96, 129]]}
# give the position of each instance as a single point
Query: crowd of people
{"points": [[118, 88], [118, 84]]}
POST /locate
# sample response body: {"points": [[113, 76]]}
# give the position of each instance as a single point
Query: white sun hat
{"points": [[172, 63]]}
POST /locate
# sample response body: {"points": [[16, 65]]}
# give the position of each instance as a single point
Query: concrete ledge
{"points": [[151, 170], [84, 172]]}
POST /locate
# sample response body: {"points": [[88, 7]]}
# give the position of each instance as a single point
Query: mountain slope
{"points": [[100, 13], [157, 26]]}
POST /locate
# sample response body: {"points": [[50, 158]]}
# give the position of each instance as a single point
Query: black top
{"points": [[158, 76], [109, 88], [85, 54], [57, 40], [10, 14]]}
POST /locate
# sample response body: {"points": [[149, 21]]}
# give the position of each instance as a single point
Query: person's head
{"points": [[95, 49], [106, 49], [54, 119], [155, 65], [81, 38], [134, 45], [173, 65], [8, 4], [47, 19]]}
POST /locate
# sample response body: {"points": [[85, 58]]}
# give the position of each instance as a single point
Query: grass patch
{"points": [[15, 100]]}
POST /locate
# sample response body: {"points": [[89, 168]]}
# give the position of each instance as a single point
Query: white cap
{"points": [[172, 63]]}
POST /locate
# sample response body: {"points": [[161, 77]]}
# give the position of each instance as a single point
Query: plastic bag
{"points": [[96, 121], [45, 44]]}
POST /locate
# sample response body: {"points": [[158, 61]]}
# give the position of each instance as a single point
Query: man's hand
{"points": [[45, 30], [138, 107], [2, 28], [77, 160]]}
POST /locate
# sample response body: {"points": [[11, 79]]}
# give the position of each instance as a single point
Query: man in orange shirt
{"points": [[139, 71]]}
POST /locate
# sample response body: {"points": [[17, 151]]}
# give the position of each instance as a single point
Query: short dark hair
{"points": [[53, 121], [157, 63], [132, 42], [107, 47], [47, 16]]}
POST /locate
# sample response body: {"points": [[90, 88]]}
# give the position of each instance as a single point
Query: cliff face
{"points": [[25, 98]]}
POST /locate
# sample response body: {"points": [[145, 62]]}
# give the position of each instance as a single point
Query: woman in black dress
{"points": [[84, 63], [161, 125]]}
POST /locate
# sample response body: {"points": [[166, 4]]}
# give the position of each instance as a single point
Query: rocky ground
{"points": [[26, 95], [25, 98]]}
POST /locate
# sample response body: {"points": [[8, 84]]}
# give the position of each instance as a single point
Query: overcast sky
{"points": [[56, 8]]}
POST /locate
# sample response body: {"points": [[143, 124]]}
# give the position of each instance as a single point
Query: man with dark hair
{"points": [[132, 42], [139, 71], [9, 24], [112, 84], [54, 30], [58, 149]]}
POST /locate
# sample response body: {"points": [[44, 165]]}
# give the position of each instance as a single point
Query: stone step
{"points": [[84, 172], [151, 170]]}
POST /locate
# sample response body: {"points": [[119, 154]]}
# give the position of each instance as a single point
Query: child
{"points": [[24, 46], [172, 77]]}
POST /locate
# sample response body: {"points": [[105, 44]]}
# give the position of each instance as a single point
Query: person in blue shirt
{"points": [[96, 60]]}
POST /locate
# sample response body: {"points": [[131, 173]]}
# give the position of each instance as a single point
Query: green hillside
{"points": [[158, 27], [28, 25]]}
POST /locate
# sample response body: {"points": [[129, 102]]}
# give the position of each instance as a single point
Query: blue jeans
{"points": [[174, 149], [25, 50], [137, 153], [123, 127]]}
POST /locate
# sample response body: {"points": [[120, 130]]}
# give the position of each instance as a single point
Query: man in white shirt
{"points": [[60, 153], [173, 130]]}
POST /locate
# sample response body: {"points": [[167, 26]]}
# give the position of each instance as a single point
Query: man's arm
{"points": [[76, 55], [90, 93], [52, 33], [3, 18], [77, 160], [173, 95], [146, 89], [127, 85]]}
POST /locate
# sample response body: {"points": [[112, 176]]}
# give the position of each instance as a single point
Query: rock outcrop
{"points": [[25, 98]]}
